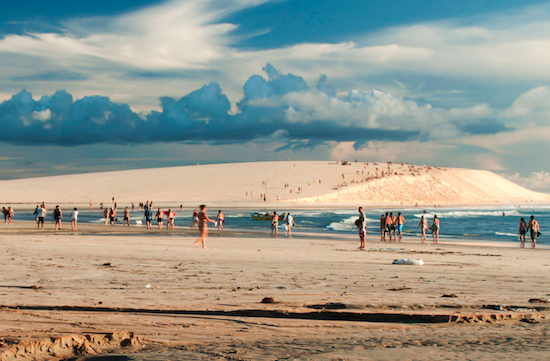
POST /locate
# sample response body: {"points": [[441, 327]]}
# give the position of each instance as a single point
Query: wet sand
{"points": [[332, 301]]}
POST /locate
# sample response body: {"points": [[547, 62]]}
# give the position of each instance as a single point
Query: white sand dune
{"points": [[322, 183]]}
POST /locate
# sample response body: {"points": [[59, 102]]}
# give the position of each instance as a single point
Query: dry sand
{"points": [[227, 185], [333, 302]]}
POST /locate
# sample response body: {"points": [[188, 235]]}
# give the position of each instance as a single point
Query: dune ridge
{"points": [[302, 183]]}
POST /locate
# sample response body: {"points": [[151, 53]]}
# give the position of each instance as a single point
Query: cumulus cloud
{"points": [[278, 106], [538, 181]]}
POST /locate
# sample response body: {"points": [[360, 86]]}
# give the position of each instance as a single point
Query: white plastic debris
{"points": [[148, 286], [409, 262]]}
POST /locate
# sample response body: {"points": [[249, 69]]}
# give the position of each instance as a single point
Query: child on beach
{"points": [[203, 226]]}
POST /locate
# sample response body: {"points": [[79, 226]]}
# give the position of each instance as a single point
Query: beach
{"points": [[331, 300]]}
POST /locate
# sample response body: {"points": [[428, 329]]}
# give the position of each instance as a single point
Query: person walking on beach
{"points": [[203, 226], [159, 216], [435, 230], [126, 216], [148, 217], [36, 210], [220, 219], [423, 224], [400, 224], [382, 228], [170, 219], [10, 215], [362, 224], [41, 215], [289, 224], [57, 217], [74, 219], [275, 223], [534, 229], [112, 217], [389, 219], [195, 222], [522, 231], [5, 213]]}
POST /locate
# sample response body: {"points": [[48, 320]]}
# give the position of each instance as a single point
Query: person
{"points": [[181, 207], [133, 207], [5, 212], [195, 222], [423, 225], [394, 227], [170, 222], [127, 216], [57, 217], [36, 210], [159, 216], [74, 219], [106, 214], [382, 228], [91, 206], [148, 217], [389, 219], [362, 224], [203, 226], [534, 229], [112, 217], [275, 223], [522, 231], [435, 230], [10, 215], [101, 206], [220, 219], [400, 224], [289, 224], [41, 216]]}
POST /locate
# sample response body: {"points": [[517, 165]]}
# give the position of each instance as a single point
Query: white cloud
{"points": [[43, 115], [538, 181]]}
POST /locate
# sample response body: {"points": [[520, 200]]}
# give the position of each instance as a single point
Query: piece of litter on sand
{"points": [[268, 300], [450, 295], [148, 286], [409, 262]]}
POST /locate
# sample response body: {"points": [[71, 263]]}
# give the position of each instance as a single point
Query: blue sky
{"points": [[114, 85]]}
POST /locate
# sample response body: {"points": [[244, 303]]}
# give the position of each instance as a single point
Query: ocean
{"points": [[475, 223]]}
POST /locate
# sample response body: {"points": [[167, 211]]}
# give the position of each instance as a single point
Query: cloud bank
{"points": [[280, 108]]}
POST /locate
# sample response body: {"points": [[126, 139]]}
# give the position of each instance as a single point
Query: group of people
{"points": [[532, 227], [40, 215], [288, 221], [8, 215], [391, 226]]}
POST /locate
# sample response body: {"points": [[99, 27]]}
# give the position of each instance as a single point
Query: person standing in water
{"points": [[534, 228], [126, 217], [382, 228], [423, 225], [148, 217], [203, 226], [400, 224], [362, 224], [57, 217], [170, 221], [275, 223], [289, 224], [435, 230], [10, 215], [522, 231], [74, 219], [220, 219], [112, 217], [195, 222], [160, 218]]}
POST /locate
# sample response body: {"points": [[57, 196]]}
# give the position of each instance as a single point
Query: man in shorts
{"points": [[41, 216], [400, 224], [534, 230]]}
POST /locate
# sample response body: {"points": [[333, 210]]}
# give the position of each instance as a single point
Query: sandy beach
{"points": [[332, 301]]}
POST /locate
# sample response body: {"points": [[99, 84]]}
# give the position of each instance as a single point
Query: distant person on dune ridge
{"points": [[534, 229], [522, 231], [203, 226]]}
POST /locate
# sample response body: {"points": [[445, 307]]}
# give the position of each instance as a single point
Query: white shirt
{"points": [[74, 216]]}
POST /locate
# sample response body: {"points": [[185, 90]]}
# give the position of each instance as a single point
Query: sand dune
{"points": [[241, 184]]}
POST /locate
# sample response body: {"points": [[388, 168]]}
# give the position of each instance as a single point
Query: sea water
{"points": [[485, 224]]}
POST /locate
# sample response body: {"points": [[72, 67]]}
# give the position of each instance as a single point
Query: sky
{"points": [[106, 85]]}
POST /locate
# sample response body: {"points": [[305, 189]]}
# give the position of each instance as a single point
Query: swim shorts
{"points": [[400, 229]]}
